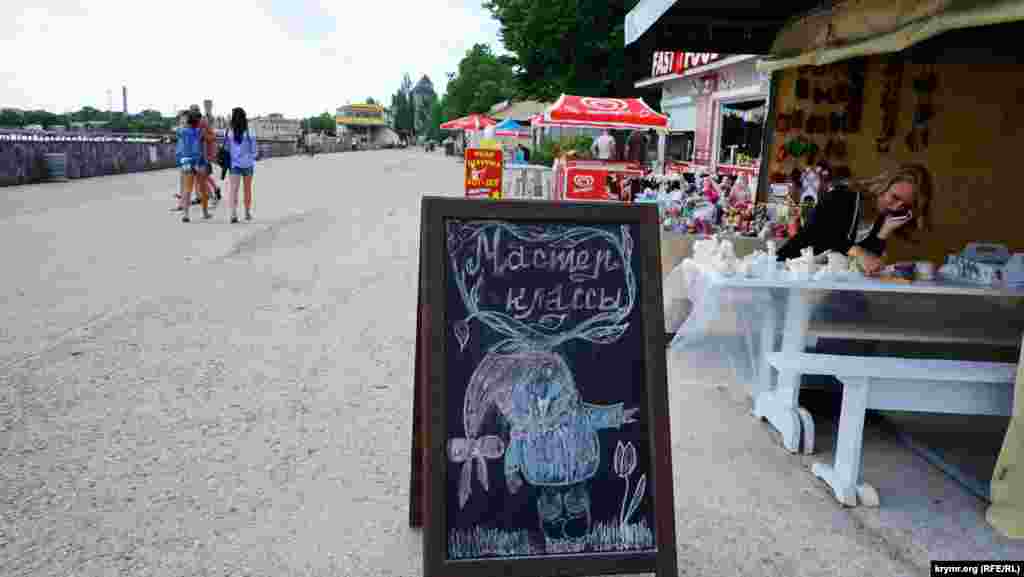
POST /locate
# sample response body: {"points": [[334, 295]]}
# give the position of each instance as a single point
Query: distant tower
{"points": [[208, 108], [110, 100], [124, 99]]}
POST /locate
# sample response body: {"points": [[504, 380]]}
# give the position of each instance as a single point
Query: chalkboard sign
{"points": [[547, 433]]}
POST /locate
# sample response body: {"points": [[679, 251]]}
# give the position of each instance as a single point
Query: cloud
{"points": [[298, 58]]}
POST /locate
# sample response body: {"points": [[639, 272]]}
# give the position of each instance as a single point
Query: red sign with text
{"points": [[591, 183], [665, 63], [483, 173]]}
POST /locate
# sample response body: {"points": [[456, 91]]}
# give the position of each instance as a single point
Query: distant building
{"points": [[423, 96], [366, 124], [274, 127]]}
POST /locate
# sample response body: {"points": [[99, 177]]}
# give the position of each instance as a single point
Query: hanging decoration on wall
{"points": [[924, 87], [803, 84], [892, 73], [856, 69]]}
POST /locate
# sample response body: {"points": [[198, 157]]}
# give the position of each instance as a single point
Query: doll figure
{"points": [[710, 190], [740, 189]]}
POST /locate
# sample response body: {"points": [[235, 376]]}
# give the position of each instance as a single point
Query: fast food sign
{"points": [[665, 63], [483, 172]]}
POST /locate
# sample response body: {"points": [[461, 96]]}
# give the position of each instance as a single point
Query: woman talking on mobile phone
{"points": [[858, 217]]}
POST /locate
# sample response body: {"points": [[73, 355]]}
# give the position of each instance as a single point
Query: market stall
{"points": [[945, 100], [472, 125], [600, 179]]}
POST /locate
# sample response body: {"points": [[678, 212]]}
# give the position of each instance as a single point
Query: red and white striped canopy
{"points": [[584, 111], [471, 122]]}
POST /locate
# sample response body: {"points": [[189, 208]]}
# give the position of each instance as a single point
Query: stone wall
{"points": [[24, 161]]}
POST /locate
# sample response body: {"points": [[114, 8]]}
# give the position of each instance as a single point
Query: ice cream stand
{"points": [[590, 179]]}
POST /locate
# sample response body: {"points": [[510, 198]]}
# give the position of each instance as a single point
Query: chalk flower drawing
{"points": [[624, 465], [552, 444]]}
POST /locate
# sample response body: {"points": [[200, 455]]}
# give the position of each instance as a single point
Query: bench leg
{"points": [[766, 373], [779, 405], [844, 475]]}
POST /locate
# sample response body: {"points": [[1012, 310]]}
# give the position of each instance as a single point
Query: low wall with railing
{"points": [[23, 155]]}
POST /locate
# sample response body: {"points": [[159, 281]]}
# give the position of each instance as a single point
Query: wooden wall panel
{"points": [[975, 150]]}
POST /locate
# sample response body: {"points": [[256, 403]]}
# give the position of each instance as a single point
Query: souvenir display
{"points": [[704, 207]]}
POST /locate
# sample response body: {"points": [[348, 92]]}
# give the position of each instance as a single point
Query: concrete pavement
{"points": [[216, 399]]}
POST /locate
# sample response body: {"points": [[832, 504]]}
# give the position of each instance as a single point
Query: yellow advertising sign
{"points": [[483, 173], [357, 121]]}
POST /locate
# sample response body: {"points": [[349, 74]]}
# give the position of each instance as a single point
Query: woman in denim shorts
{"points": [[242, 148], [189, 155]]}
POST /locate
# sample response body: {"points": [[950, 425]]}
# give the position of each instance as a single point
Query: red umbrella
{"points": [[590, 112], [471, 122]]}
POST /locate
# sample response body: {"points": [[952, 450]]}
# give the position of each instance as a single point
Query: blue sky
{"points": [[294, 57]]}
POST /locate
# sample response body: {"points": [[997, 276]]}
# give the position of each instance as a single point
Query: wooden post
{"points": [[1006, 514]]}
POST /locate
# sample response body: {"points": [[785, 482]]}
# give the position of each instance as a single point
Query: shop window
{"points": [[679, 146], [742, 126]]}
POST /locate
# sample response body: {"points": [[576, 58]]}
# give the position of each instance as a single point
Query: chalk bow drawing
{"points": [[552, 442]]}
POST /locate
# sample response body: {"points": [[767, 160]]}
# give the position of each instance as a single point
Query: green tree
{"points": [[401, 107], [437, 118], [11, 118], [324, 122], [483, 80], [370, 100], [89, 114], [566, 46]]}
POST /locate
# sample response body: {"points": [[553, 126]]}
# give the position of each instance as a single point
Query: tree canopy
{"points": [[482, 81], [565, 46], [324, 122], [145, 121], [401, 107]]}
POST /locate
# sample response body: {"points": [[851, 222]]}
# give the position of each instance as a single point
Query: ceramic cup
{"points": [[837, 262], [924, 270]]}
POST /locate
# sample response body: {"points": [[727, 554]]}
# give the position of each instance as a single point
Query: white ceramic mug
{"points": [[924, 270], [837, 262]]}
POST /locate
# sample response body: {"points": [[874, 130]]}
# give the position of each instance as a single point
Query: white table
{"points": [[778, 401]]}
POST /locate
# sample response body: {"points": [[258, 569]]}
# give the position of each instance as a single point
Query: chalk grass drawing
{"points": [[553, 443], [480, 542]]}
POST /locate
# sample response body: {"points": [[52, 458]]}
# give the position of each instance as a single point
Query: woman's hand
{"points": [[892, 224], [872, 264]]}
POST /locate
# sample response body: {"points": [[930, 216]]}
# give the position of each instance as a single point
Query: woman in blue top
{"points": [[189, 155], [243, 151]]}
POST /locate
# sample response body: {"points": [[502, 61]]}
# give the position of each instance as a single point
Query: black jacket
{"points": [[832, 225]]}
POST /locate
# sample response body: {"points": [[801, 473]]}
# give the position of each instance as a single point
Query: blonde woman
{"points": [[860, 216]]}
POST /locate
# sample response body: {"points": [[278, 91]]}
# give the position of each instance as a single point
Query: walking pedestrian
{"points": [[182, 123], [189, 156], [242, 150], [204, 181]]}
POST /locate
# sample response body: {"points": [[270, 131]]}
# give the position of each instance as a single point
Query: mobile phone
{"points": [[900, 215]]}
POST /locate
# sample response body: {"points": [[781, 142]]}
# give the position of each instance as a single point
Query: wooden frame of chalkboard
{"points": [[655, 551]]}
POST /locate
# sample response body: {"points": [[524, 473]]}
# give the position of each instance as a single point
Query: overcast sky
{"points": [[297, 57]]}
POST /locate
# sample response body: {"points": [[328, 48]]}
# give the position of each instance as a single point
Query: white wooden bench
{"points": [[896, 384]]}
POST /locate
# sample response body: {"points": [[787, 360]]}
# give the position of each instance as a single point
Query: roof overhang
{"points": [[724, 26], [801, 32], [880, 27]]}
